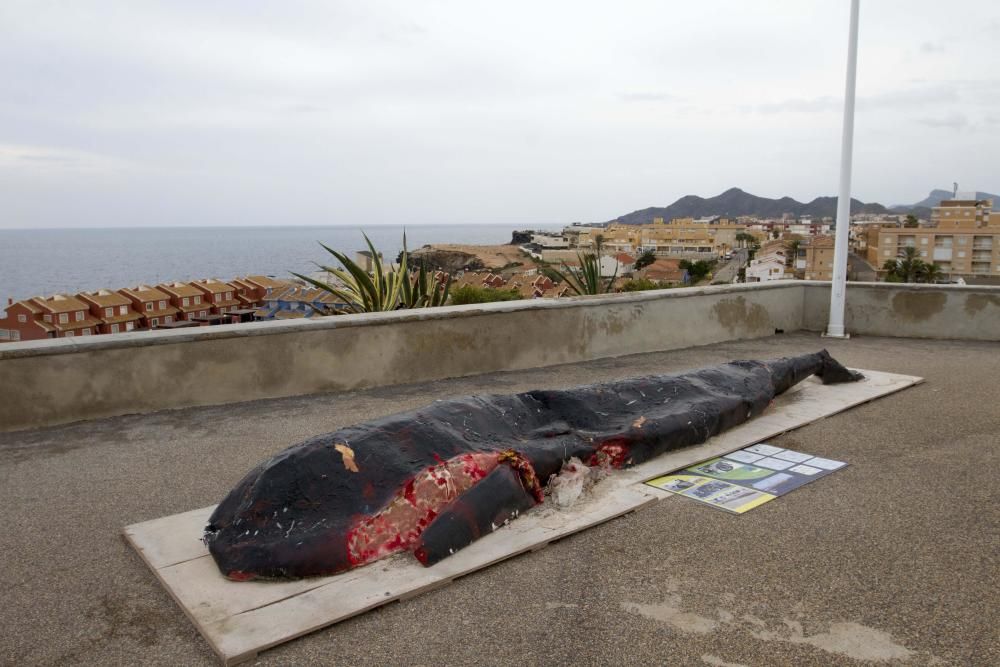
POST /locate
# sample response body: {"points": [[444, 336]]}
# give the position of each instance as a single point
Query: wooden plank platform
{"points": [[239, 619]]}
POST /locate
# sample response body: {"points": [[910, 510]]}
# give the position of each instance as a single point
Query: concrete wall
{"points": [[909, 311], [49, 382], [57, 381]]}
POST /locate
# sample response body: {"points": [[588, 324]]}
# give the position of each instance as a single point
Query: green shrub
{"points": [[472, 294], [639, 285]]}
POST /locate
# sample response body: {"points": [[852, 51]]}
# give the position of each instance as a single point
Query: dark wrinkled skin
{"points": [[290, 516]]}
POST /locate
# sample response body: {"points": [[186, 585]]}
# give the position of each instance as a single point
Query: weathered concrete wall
{"points": [[48, 382], [57, 381], [961, 312]]}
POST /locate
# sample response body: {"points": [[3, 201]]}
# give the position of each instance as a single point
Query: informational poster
{"points": [[747, 478]]}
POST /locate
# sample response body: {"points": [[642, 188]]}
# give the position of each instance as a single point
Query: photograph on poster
{"points": [[744, 479]]}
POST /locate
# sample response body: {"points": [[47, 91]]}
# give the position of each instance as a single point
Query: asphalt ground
{"points": [[892, 560]]}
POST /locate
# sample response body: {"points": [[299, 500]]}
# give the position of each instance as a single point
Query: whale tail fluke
{"points": [[833, 372]]}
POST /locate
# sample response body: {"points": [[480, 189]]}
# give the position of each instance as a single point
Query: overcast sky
{"points": [[222, 113]]}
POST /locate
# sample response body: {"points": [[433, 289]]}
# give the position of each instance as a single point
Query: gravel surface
{"points": [[892, 560]]}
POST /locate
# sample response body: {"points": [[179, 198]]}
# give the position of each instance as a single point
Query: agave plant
{"points": [[583, 280], [418, 293], [363, 292]]}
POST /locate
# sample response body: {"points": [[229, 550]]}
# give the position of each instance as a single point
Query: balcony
{"points": [[874, 551]]}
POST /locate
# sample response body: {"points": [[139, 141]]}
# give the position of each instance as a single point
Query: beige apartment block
{"points": [[681, 237], [818, 258], [964, 241]]}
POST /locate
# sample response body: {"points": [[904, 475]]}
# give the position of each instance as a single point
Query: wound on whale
{"points": [[433, 480]]}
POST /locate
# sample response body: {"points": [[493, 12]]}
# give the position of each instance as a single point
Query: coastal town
{"points": [[958, 243]]}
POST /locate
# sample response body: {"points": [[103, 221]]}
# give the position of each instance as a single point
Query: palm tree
{"points": [[583, 280], [599, 243], [645, 259], [907, 268], [931, 273], [743, 238], [793, 251]]}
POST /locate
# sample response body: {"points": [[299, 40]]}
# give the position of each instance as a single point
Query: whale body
{"points": [[433, 480]]}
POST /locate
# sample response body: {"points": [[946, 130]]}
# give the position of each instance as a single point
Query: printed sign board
{"points": [[747, 478]]}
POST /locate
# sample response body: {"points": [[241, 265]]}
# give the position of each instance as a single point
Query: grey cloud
{"points": [[639, 96], [896, 99], [954, 121], [807, 105], [931, 47]]}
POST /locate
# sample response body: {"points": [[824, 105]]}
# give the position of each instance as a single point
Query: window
{"points": [[86, 331], [63, 318], [923, 240], [202, 313], [163, 305], [197, 300], [79, 316], [15, 334], [114, 328], [109, 312], [68, 334], [155, 321], [229, 295], [123, 310], [186, 301], [168, 319], [129, 326], [47, 317], [22, 318], [149, 306]]}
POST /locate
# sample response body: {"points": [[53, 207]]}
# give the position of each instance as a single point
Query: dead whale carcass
{"points": [[435, 479]]}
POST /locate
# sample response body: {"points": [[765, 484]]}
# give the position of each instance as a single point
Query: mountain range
{"points": [[734, 202]]}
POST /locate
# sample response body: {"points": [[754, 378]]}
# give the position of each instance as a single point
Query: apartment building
{"points": [[816, 255], [682, 237], [963, 240], [153, 304], [113, 310]]}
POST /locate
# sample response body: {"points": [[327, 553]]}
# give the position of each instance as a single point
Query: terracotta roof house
{"points": [[23, 321], [153, 304], [252, 291], [187, 299], [494, 280], [664, 271], [67, 315], [221, 296], [114, 310]]}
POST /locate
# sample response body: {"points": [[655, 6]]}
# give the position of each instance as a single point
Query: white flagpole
{"points": [[838, 290]]}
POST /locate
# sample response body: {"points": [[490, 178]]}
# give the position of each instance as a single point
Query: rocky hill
{"points": [[735, 202]]}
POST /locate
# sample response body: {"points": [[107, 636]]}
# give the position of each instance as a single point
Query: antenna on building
{"points": [[954, 191]]}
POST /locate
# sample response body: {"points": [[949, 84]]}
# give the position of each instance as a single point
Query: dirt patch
{"points": [[917, 306]]}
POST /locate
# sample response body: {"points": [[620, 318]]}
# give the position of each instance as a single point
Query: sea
{"points": [[43, 262]]}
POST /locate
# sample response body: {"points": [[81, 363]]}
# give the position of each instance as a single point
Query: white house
{"points": [[763, 270]]}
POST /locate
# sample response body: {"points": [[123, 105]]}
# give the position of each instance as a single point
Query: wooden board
{"points": [[239, 619]]}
